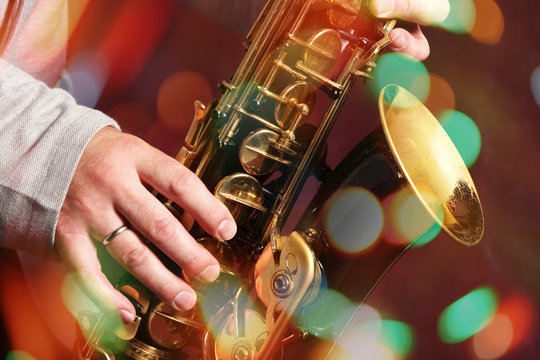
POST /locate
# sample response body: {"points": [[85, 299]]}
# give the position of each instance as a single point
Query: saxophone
{"points": [[255, 147]]}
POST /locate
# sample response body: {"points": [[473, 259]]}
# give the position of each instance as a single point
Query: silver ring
{"points": [[107, 240]]}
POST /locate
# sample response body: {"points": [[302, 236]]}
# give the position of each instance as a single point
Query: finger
{"points": [[180, 185], [79, 254], [156, 223], [413, 43], [132, 254], [425, 12]]}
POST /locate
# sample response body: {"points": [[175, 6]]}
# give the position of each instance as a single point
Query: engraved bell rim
{"points": [[432, 165]]}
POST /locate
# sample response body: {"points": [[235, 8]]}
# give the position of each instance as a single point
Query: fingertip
{"points": [[127, 316], [124, 306], [210, 273], [226, 230], [413, 44], [398, 41], [184, 300]]}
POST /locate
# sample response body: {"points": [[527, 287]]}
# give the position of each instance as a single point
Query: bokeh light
{"points": [[401, 69], [358, 328], [464, 133], [88, 74], [34, 319], [462, 16], [88, 302], [39, 51], [408, 221], [508, 328], [397, 336], [353, 220], [467, 315], [215, 299], [489, 25], [371, 351], [521, 313], [535, 85], [322, 316], [361, 331], [495, 339], [177, 95], [441, 96], [132, 38], [19, 355]]}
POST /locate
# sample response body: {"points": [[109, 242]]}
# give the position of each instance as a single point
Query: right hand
{"points": [[110, 188], [420, 12]]}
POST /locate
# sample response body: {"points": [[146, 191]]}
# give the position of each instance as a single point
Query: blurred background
{"points": [[144, 62]]}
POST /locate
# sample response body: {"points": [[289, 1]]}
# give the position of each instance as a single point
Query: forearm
{"points": [[42, 135]]}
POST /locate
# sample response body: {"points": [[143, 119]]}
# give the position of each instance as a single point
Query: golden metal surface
{"points": [[290, 70], [242, 194], [171, 328], [431, 163], [259, 119], [299, 92], [128, 331], [138, 350], [235, 344], [318, 76], [363, 61], [259, 154], [313, 48], [195, 130], [341, 14], [283, 288]]}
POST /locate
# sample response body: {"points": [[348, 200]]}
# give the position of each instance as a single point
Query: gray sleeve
{"points": [[43, 133]]}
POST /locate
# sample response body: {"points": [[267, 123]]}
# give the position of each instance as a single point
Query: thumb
{"points": [[424, 12]]}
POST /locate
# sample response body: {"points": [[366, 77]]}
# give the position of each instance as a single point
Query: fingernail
{"points": [[185, 300], [127, 317], [398, 43], [209, 274], [226, 230], [385, 8]]}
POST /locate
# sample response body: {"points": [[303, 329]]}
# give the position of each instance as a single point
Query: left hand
{"points": [[421, 12]]}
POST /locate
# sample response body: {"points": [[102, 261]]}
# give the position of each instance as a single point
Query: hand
{"points": [[423, 12], [108, 189]]}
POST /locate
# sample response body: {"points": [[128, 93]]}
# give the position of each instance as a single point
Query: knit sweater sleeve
{"points": [[43, 133]]}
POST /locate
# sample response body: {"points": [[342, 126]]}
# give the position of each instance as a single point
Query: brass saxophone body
{"points": [[255, 147]]}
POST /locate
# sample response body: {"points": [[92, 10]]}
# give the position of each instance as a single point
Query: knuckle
{"points": [[136, 258], [106, 174], [131, 142], [183, 183], [193, 263], [196, 260], [190, 261], [163, 229], [84, 204]]}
